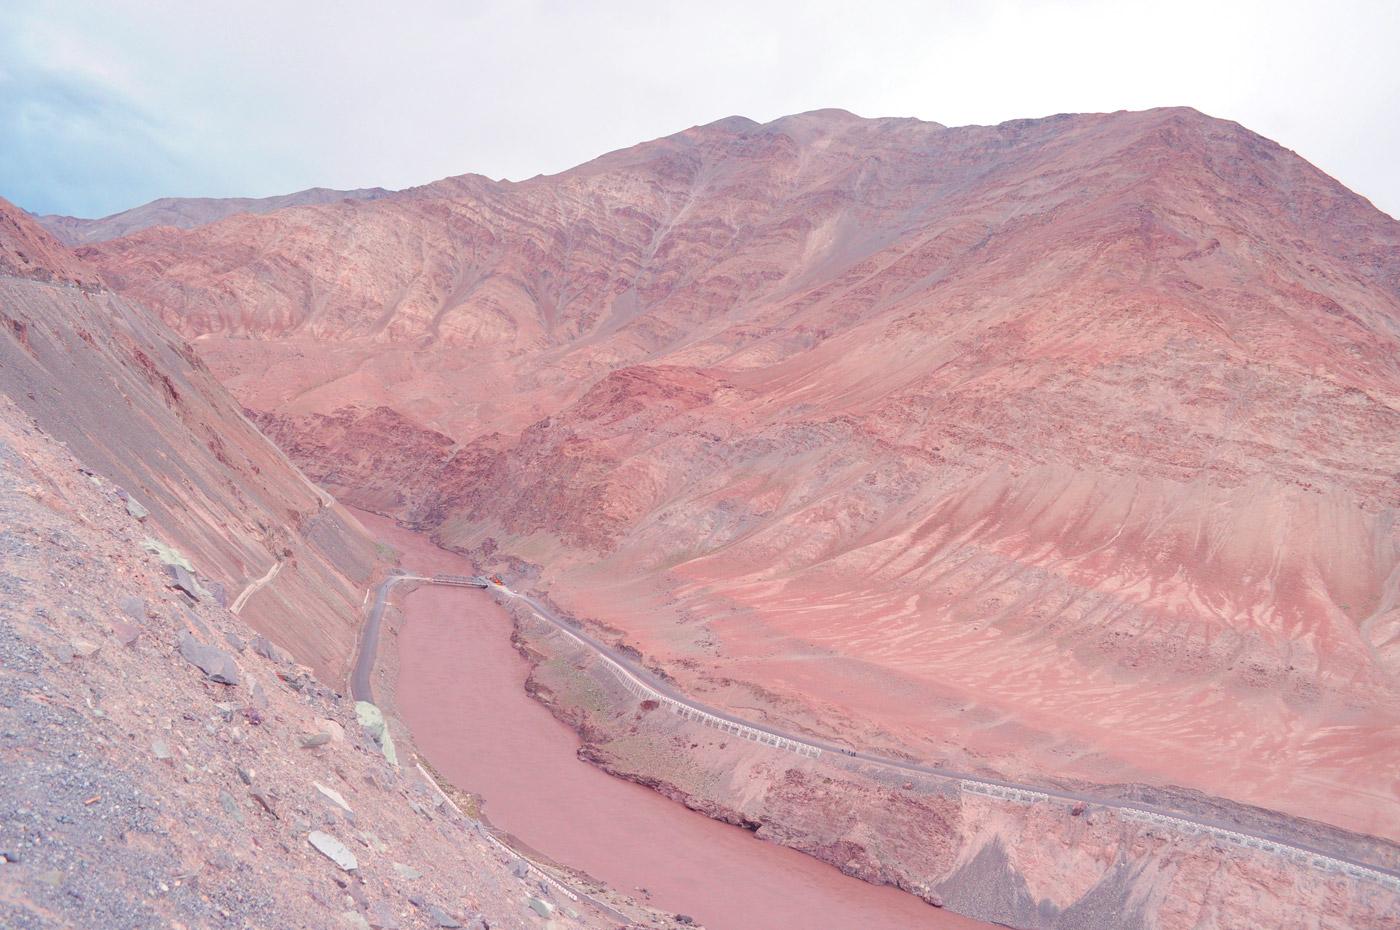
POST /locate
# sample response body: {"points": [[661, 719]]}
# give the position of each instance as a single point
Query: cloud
{"points": [[70, 142]]}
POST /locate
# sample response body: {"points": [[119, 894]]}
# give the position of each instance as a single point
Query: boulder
{"points": [[133, 507], [440, 918], [125, 633], [333, 796], [331, 728], [230, 806], [216, 590], [270, 650], [216, 664], [265, 798], [257, 697], [372, 719], [182, 580], [381, 916], [84, 649]]}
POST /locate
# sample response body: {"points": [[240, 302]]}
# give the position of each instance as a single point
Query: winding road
{"points": [[640, 681], [255, 586]]}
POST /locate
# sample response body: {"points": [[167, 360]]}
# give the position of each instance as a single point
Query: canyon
{"points": [[1060, 451], [1063, 445]]}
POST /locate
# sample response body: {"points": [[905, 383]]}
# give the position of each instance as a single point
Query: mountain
{"points": [[165, 764], [1062, 448], [134, 404], [187, 213]]}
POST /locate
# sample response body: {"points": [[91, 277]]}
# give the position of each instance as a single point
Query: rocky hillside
{"points": [[136, 406], [1061, 447], [187, 213], [165, 762], [165, 766]]}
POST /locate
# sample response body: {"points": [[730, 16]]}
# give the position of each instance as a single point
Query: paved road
{"points": [[360, 687], [629, 671]]}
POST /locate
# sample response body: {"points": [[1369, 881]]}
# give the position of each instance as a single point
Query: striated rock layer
{"points": [[139, 409], [1060, 448]]}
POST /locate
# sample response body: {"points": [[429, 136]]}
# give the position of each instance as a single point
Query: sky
{"points": [[107, 105]]}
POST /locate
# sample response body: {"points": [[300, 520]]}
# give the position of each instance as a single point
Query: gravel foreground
{"points": [[163, 766]]}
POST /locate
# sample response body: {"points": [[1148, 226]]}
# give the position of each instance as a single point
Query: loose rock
{"points": [[270, 650], [134, 507], [372, 719], [441, 918], [332, 795], [216, 664], [381, 917], [354, 920], [230, 806], [125, 633], [333, 849], [182, 580], [84, 649]]}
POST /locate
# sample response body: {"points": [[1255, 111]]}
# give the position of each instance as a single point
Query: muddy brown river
{"points": [[460, 690]]}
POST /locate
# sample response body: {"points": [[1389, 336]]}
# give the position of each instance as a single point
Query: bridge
{"points": [[460, 581]]}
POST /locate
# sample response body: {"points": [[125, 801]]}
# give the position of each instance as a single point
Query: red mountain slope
{"points": [[135, 405], [1065, 447]]}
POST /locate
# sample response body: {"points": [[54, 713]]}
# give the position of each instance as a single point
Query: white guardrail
{"points": [[643, 691], [1292, 853], [646, 692]]}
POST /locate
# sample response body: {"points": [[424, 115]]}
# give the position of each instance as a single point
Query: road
{"points": [[255, 586], [637, 677], [360, 687], [625, 668]]}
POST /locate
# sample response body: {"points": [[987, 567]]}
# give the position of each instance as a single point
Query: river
{"points": [[460, 690]]}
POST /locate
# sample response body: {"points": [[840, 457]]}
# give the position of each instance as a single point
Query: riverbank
{"points": [[460, 689], [1019, 858]]}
